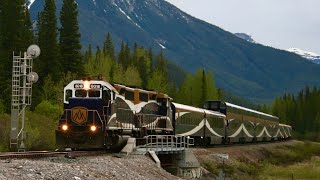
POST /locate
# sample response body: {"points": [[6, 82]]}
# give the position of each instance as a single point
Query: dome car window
{"points": [[129, 95]]}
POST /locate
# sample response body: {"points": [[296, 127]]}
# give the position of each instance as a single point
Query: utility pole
{"points": [[22, 80]]}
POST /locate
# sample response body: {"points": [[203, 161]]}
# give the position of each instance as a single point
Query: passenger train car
{"points": [[98, 115], [247, 125], [205, 126]]}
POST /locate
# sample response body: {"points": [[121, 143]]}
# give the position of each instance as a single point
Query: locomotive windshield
{"points": [[84, 93]]}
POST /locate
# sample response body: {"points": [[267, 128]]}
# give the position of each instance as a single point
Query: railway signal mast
{"points": [[22, 79]]}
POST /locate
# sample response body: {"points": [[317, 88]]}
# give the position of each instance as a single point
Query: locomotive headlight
{"points": [[65, 127], [93, 128], [86, 85]]}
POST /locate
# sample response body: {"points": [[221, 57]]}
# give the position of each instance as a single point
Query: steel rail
{"points": [[42, 154]]}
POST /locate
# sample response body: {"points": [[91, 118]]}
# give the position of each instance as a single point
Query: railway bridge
{"points": [[169, 151]]}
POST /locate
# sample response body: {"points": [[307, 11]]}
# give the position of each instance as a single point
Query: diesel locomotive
{"points": [[99, 115]]}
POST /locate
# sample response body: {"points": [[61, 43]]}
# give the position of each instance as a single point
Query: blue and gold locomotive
{"points": [[102, 115]]}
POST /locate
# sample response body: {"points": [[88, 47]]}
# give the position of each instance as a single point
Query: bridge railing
{"points": [[168, 143]]}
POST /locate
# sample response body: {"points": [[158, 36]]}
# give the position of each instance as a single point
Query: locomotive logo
{"points": [[79, 115]]}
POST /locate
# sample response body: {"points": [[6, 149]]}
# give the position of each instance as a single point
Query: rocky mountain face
{"points": [[245, 69], [245, 36]]}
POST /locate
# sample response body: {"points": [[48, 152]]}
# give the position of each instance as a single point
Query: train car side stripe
{"points": [[211, 130], [194, 130], [237, 132], [246, 131]]}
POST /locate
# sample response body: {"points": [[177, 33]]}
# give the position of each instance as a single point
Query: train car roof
{"points": [[285, 125], [249, 110], [132, 88], [199, 110]]}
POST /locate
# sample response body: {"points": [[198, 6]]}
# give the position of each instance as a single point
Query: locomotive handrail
{"points": [[149, 121], [153, 122]]}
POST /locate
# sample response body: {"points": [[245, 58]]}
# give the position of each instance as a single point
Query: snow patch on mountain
{"points": [[30, 3], [126, 14], [162, 46], [306, 54], [94, 2]]}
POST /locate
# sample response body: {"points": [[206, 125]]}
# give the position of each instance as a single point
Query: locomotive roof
{"points": [[199, 110], [249, 110], [103, 83]]}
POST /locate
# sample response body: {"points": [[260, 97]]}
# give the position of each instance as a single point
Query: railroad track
{"points": [[242, 144], [41, 154]]}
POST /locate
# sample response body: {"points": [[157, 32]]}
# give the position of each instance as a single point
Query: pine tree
{"points": [[121, 58], [12, 38], [70, 47], [203, 88], [108, 47], [2, 3], [143, 70], [127, 56], [88, 54], [150, 55], [161, 63], [135, 59], [89, 60], [28, 30], [47, 38]]}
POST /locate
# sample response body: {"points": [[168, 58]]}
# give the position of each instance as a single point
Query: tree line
{"points": [[301, 111]]}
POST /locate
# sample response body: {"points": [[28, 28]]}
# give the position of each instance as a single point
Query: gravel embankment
{"points": [[96, 167]]}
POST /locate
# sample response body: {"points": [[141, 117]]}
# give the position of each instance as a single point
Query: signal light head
{"points": [[93, 128], [64, 127]]}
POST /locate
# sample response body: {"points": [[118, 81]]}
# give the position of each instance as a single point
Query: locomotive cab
{"points": [[87, 107]]}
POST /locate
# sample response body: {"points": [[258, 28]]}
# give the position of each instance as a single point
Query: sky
{"points": [[281, 24]]}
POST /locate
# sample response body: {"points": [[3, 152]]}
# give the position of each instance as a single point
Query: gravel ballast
{"points": [[94, 167]]}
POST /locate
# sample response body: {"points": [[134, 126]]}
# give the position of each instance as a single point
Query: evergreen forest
{"points": [[63, 59], [301, 111]]}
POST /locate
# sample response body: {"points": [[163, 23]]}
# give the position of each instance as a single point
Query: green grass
{"points": [[286, 155], [305, 170], [300, 161]]}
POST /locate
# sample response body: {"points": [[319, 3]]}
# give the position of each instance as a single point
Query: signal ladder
{"points": [[21, 97]]}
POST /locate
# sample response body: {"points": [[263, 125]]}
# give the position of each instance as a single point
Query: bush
{"points": [[211, 167], [46, 108], [4, 132], [40, 127], [40, 131], [2, 107]]}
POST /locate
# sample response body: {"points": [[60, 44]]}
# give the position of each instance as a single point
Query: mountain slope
{"points": [[313, 57], [246, 69]]}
